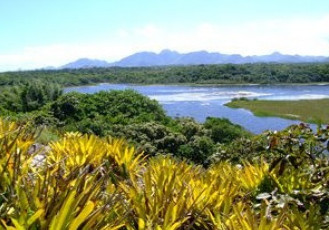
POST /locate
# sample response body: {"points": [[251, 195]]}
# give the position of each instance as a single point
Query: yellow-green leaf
{"points": [[35, 216], [82, 216]]}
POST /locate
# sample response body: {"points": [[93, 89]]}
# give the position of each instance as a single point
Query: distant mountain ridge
{"points": [[168, 57], [85, 63]]}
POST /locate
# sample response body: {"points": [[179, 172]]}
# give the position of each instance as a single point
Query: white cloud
{"points": [[56, 55], [148, 31], [305, 36]]}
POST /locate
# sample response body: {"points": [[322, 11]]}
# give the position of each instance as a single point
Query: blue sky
{"points": [[38, 33]]}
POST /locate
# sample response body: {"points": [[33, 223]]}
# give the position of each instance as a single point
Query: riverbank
{"points": [[311, 111], [204, 84]]}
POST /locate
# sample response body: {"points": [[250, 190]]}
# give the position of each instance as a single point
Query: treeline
{"points": [[200, 74]]}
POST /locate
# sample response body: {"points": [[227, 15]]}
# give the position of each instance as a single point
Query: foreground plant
{"points": [[87, 182], [69, 190]]}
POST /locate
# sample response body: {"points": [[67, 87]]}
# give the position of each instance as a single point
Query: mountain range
{"points": [[168, 57]]}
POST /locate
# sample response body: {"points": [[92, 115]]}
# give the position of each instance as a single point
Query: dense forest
{"points": [[201, 74]]}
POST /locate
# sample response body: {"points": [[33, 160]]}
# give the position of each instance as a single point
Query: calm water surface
{"points": [[204, 101]]}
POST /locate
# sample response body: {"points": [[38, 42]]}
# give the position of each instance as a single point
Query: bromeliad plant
{"points": [[87, 182], [71, 189]]}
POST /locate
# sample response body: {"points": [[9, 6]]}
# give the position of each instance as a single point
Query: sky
{"points": [[42, 33]]}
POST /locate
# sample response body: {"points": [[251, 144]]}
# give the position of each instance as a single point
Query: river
{"points": [[200, 102]]}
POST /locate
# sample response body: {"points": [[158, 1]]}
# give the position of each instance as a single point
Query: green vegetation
{"points": [[313, 111], [28, 97], [121, 114], [201, 74], [115, 160], [88, 182], [127, 114]]}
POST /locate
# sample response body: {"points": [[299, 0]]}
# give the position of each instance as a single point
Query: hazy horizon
{"points": [[37, 34]]}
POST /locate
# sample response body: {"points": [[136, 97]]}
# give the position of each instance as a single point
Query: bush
{"points": [[223, 130], [29, 97], [197, 150], [117, 107]]}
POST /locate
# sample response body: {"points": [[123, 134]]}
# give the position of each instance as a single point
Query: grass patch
{"points": [[311, 111]]}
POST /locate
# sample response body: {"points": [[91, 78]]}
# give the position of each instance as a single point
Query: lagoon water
{"points": [[200, 102]]}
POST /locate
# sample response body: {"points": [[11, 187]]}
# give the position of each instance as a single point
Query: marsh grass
{"points": [[312, 111]]}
